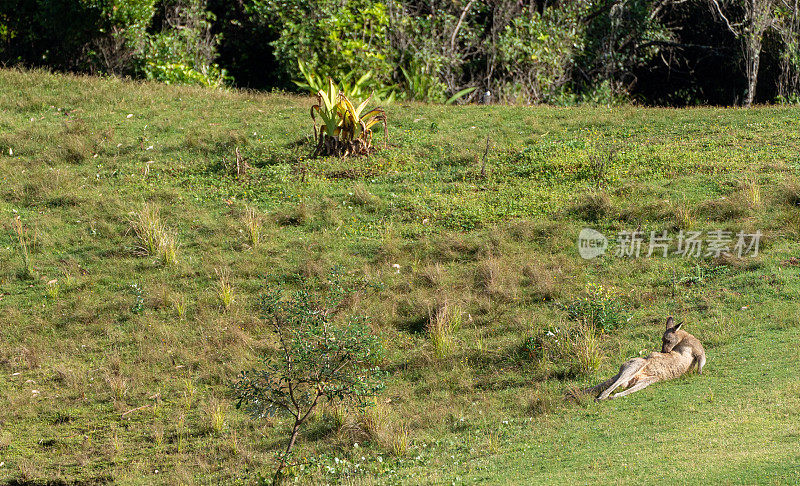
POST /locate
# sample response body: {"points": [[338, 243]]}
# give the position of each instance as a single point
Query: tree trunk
{"points": [[282, 463], [753, 61]]}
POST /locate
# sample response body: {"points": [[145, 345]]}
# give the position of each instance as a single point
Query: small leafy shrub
{"points": [[531, 347], [182, 52], [345, 128], [535, 49], [598, 308], [420, 84], [318, 360], [332, 38]]}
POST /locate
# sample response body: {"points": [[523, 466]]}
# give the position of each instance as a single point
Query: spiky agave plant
{"points": [[345, 129]]}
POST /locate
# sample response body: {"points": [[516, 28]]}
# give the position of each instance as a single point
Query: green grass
{"points": [[130, 352]]}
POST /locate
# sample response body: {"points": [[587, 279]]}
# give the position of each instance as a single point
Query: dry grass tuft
{"points": [[431, 276], [497, 279], [224, 289], [154, 238], [541, 282], [23, 240], [541, 401], [682, 216], [752, 193], [592, 206], [374, 422], [215, 415], [728, 208], [294, 216], [789, 192], [399, 441], [118, 385], [360, 196], [584, 349], [442, 326], [75, 149], [252, 224]]}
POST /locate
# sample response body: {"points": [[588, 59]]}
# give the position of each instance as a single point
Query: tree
{"points": [[756, 19], [317, 360], [787, 23]]}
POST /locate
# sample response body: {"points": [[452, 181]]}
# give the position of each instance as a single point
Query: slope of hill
{"points": [[116, 365]]}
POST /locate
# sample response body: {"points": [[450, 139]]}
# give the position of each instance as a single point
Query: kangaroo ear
{"points": [[670, 322], [678, 326]]}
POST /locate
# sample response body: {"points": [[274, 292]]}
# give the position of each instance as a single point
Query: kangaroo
{"points": [[679, 352]]}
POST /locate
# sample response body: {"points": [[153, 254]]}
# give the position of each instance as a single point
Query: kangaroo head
{"points": [[671, 336]]}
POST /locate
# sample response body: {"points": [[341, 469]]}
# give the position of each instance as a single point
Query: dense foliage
{"points": [[530, 51]]}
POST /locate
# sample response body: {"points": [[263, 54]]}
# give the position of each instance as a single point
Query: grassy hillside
{"points": [[116, 365]]}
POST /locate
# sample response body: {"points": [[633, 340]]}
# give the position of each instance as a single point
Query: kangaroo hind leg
{"points": [[642, 384], [626, 372]]}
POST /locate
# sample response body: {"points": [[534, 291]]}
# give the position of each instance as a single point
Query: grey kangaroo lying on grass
{"points": [[679, 352]]}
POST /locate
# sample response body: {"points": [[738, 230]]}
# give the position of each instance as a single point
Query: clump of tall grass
{"points": [[53, 289], [362, 197], [493, 438], [253, 225], [179, 304], [23, 239], [399, 441], [584, 349], [225, 292], [752, 193], [169, 249], [682, 216], [540, 401], [789, 192], [374, 422], [154, 238], [216, 417], [442, 326]]}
